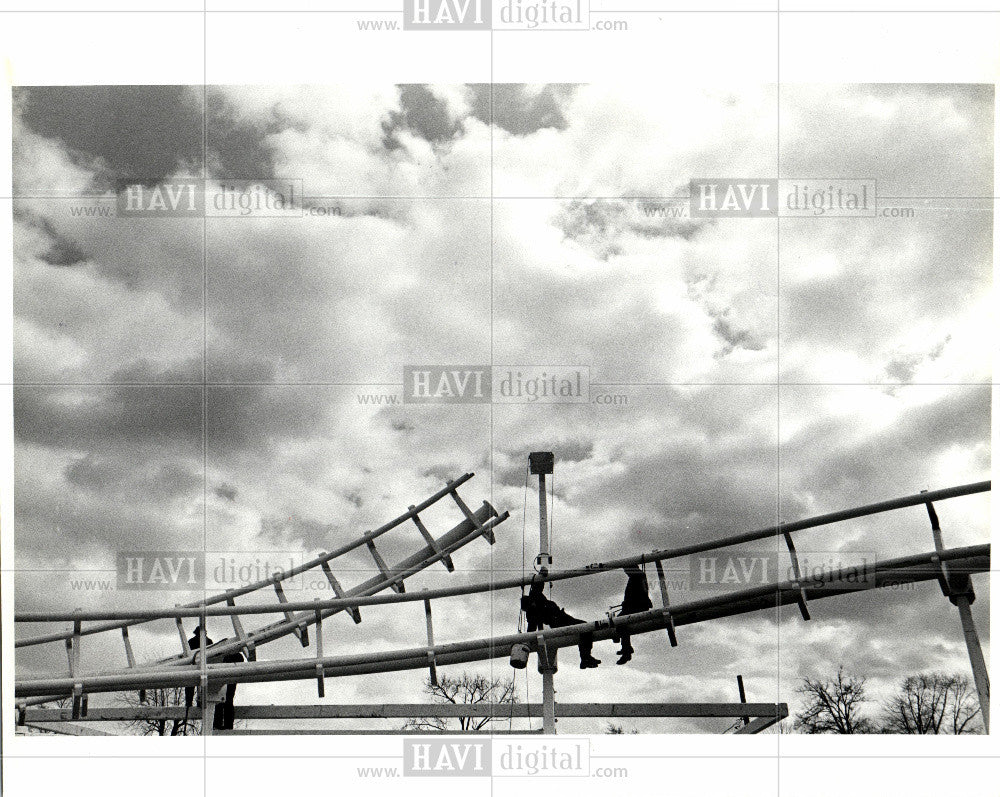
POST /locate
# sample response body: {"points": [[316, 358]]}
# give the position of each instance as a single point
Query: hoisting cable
{"points": [[520, 613]]}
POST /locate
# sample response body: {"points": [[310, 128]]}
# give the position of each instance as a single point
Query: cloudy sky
{"points": [[208, 384]]}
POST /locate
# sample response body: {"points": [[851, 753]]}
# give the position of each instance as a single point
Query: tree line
{"points": [[927, 703]]}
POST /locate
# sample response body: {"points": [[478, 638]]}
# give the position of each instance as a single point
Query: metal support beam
{"points": [[797, 572], [743, 698], [544, 555], [320, 686], [431, 542], [432, 664], [183, 634], [130, 658], [980, 674], [671, 634], [73, 653], [893, 572], [542, 463], [470, 515], [338, 590], [119, 618], [301, 630], [249, 648], [374, 711], [207, 708], [66, 729], [962, 597], [383, 568]]}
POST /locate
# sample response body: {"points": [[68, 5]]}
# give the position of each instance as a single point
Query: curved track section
{"points": [[188, 669]]}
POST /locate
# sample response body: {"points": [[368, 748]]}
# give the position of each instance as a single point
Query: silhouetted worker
{"points": [[225, 712], [195, 644], [636, 600], [539, 611]]}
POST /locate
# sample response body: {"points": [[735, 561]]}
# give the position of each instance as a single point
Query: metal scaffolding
{"points": [[952, 568]]}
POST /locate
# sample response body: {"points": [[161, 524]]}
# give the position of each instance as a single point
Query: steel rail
{"points": [[511, 583], [128, 619], [464, 533], [908, 569]]}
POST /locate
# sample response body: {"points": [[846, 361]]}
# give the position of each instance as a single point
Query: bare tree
{"points": [[467, 689], [617, 730], [833, 705], [932, 703], [162, 727]]}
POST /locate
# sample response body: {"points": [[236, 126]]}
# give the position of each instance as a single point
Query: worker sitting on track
{"points": [[539, 611], [636, 600]]}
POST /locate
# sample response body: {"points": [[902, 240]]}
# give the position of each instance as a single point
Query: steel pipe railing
{"points": [[909, 569], [146, 615]]}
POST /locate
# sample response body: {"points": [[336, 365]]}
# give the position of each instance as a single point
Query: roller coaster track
{"points": [[478, 523], [946, 566]]}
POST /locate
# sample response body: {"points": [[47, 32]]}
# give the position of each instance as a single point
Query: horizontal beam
{"points": [[371, 732], [66, 728], [490, 586], [410, 710], [908, 569]]}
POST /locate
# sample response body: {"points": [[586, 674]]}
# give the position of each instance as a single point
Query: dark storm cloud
{"points": [[236, 147], [697, 499], [518, 110], [422, 113], [578, 317], [906, 447], [565, 451], [165, 480], [733, 336], [254, 418], [226, 491], [141, 370], [838, 281], [98, 418], [62, 251], [237, 365], [574, 451], [136, 131]]}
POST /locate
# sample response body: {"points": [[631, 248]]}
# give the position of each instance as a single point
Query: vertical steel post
{"points": [[548, 701], [544, 558], [542, 463], [432, 664], [320, 675], [743, 698], [207, 707], [980, 675]]}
